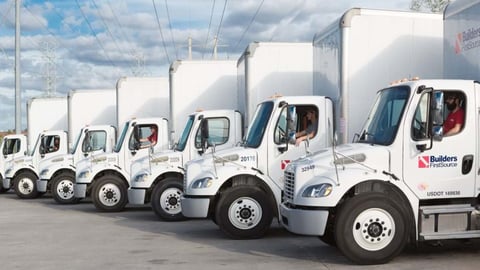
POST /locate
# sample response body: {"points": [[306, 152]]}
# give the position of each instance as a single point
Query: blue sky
{"points": [[95, 42]]}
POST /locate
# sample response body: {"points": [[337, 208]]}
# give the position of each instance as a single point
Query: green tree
{"points": [[435, 6]]}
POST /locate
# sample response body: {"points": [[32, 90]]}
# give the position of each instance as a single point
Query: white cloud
{"points": [[128, 29]]}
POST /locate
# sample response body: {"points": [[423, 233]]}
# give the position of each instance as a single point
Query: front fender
{"points": [[99, 170], [340, 184], [48, 172]]}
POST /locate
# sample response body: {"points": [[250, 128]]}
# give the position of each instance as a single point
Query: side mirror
{"points": [[291, 123], [136, 137], [437, 111], [204, 135]]}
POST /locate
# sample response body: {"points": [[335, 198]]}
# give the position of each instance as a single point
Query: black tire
{"points": [[385, 230], [244, 212], [2, 189], [25, 185], [110, 194], [62, 188], [166, 199]]}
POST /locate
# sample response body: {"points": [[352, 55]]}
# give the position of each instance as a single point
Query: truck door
{"points": [[142, 137], [445, 170], [280, 156]]}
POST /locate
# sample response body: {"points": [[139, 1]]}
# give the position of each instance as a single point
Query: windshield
{"points": [[74, 148], [382, 123], [182, 142], [118, 146], [258, 125]]}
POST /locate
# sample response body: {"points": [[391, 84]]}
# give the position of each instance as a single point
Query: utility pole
{"points": [[18, 107], [50, 70]]}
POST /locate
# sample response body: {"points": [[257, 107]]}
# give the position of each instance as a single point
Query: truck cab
{"points": [[158, 178], [57, 174], [240, 187], [13, 146], [405, 180], [21, 173], [106, 177]]}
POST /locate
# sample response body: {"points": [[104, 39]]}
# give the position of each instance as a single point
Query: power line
{"points": [[219, 27], [170, 26], [248, 27], [94, 34], [125, 37], [108, 31], [4, 19], [161, 33], [209, 25]]}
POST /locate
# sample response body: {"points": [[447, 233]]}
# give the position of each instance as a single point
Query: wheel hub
{"points": [[110, 194], [245, 213], [374, 229], [65, 189], [170, 200]]}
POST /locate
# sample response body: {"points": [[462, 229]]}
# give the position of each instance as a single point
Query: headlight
{"points": [[316, 191], [141, 177], [202, 182], [44, 172], [84, 174]]}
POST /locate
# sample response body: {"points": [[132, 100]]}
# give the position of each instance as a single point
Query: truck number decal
{"points": [[308, 168], [247, 158]]}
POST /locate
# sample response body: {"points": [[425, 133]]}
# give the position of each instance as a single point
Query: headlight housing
{"points": [[317, 191], [205, 182]]}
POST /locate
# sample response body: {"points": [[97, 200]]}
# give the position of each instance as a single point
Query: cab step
{"points": [[449, 222]]}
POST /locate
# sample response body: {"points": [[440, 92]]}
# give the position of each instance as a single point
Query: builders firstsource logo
{"points": [[467, 40], [441, 161]]}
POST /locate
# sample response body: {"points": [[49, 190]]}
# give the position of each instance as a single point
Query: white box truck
{"points": [[13, 146], [368, 49], [90, 107], [193, 85], [106, 177], [46, 127], [21, 173], [92, 119], [211, 85], [265, 68], [345, 64], [45, 113], [142, 97], [404, 181], [462, 40]]}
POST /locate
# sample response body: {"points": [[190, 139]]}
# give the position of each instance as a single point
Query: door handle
{"points": [[467, 163]]}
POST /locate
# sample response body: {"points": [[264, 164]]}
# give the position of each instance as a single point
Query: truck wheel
{"points": [[371, 229], [109, 194], [25, 184], [244, 212], [62, 188], [166, 199]]}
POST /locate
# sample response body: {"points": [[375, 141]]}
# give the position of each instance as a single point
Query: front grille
{"points": [[289, 186]]}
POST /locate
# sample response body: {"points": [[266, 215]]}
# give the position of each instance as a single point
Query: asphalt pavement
{"points": [[41, 234]]}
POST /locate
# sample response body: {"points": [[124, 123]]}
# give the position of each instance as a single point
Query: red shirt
{"points": [[453, 118]]}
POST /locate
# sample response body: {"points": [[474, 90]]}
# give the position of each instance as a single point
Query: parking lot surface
{"points": [[41, 234]]}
